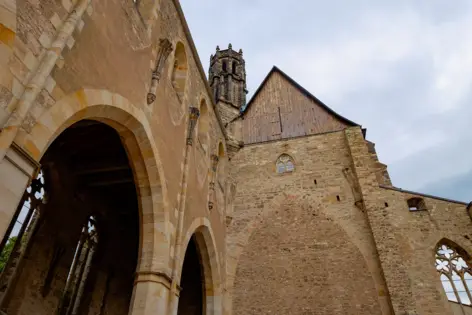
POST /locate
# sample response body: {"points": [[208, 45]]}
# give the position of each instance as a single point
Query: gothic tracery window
{"points": [[23, 223], [455, 274], [285, 164], [79, 269]]}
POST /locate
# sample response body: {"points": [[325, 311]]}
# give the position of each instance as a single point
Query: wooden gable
{"points": [[282, 109]]}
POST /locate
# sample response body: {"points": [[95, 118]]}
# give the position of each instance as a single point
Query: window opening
{"points": [[234, 67], [80, 268], [416, 204], [21, 228], [285, 164], [224, 66], [204, 126], [455, 274], [179, 73]]}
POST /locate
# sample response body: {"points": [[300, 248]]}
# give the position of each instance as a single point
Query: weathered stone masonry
{"points": [[110, 101]]}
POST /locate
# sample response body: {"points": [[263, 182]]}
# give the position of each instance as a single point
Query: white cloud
{"points": [[402, 69]]}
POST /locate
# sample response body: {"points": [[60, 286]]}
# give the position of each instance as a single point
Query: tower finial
{"points": [[217, 48], [240, 51], [230, 46]]}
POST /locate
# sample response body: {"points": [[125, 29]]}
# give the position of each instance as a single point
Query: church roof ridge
{"points": [[302, 90]]}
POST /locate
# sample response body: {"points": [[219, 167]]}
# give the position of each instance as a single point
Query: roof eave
{"points": [[302, 90]]}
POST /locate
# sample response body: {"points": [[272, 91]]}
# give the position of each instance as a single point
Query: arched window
{"points": [[455, 273], [416, 204], [221, 163], [80, 267], [285, 164], [20, 230], [179, 74], [221, 150], [204, 125], [224, 65]]}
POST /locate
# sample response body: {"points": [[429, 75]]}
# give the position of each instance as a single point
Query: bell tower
{"points": [[227, 78]]}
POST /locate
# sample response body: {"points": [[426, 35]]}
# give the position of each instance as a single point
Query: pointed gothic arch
{"points": [[200, 238], [180, 71], [285, 164], [220, 171], [147, 10], [454, 266], [221, 150], [204, 126], [134, 132]]}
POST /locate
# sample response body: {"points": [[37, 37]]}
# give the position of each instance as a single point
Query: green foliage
{"points": [[5, 254]]}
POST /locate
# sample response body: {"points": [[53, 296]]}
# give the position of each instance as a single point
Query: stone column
{"points": [[150, 294], [194, 114], [388, 247]]}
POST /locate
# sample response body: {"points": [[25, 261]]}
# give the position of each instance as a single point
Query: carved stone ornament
{"points": [[194, 114], [212, 186], [210, 205], [28, 123], [150, 98], [165, 48], [228, 220], [214, 162]]}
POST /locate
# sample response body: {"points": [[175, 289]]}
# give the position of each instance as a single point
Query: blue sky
{"points": [[402, 69]]}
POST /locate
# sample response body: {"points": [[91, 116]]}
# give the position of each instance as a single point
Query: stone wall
{"points": [[406, 241], [227, 112], [43, 272], [417, 233], [297, 243], [104, 72]]}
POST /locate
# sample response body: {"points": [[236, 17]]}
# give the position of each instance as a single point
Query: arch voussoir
{"points": [[134, 130], [203, 235]]}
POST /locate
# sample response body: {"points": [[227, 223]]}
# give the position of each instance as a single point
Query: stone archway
{"points": [[135, 133], [79, 251], [201, 257]]}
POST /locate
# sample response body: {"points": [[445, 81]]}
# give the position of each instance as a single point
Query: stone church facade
{"points": [[132, 184]]}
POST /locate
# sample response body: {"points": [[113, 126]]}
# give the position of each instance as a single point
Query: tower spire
{"points": [[227, 78]]}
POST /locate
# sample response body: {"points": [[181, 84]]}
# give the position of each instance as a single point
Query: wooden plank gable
{"points": [[282, 109]]}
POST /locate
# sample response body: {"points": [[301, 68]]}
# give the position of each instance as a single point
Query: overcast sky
{"points": [[402, 69]]}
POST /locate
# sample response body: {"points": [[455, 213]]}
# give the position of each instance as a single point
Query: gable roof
{"points": [[302, 90]]}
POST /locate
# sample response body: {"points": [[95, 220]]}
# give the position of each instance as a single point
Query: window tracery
{"points": [[19, 232], [33, 198], [455, 274], [80, 268], [285, 164]]}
